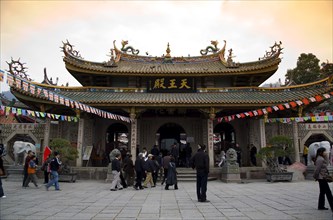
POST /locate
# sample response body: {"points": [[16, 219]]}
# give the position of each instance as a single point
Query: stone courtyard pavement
{"points": [[94, 200]]}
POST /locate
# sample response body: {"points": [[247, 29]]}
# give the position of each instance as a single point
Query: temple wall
{"points": [[66, 130]]}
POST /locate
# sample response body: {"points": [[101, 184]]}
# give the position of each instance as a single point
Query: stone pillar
{"points": [[210, 133], [134, 129], [262, 132], [262, 136], [46, 134], [80, 140], [295, 137]]}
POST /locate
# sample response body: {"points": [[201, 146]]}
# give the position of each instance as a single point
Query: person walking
{"points": [[157, 167], [139, 169], [200, 162], [129, 170], [188, 155], [305, 154], [253, 155], [172, 175], [46, 169], [165, 164], [320, 172], [25, 167], [55, 165], [32, 172], [2, 169], [174, 152], [155, 151], [116, 174], [149, 169]]}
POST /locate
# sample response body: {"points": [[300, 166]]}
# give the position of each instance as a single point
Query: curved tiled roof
{"points": [[228, 98], [127, 64]]}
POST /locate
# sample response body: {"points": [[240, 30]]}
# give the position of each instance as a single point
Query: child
{"points": [[46, 169], [32, 172]]}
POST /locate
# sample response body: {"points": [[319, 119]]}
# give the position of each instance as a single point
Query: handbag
{"points": [[31, 170], [328, 178]]}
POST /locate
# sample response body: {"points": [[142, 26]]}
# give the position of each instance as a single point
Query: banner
{"points": [[46, 154]]}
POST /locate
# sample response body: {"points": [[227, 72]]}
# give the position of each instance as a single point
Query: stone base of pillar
{"points": [[109, 174], [230, 173]]}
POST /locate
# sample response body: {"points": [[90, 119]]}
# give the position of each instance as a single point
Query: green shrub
{"points": [[64, 147], [279, 146]]}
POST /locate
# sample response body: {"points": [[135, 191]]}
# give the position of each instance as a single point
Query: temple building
{"points": [[209, 99]]}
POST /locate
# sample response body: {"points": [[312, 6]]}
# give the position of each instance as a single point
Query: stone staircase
{"points": [[189, 175]]}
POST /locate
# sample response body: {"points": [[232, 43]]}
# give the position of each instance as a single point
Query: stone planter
{"points": [[282, 176], [68, 177]]}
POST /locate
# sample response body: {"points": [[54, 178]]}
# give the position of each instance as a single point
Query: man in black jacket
{"points": [[200, 161], [54, 167], [116, 173], [139, 170]]}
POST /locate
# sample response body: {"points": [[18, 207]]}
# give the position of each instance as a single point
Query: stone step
{"points": [[189, 175], [181, 179], [14, 173]]}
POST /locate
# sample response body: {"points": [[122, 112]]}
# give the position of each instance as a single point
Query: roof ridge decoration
{"points": [[67, 48], [49, 81], [128, 48], [230, 63], [210, 49], [114, 58], [275, 50], [167, 57], [17, 68]]}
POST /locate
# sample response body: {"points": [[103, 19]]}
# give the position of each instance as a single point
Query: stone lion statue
{"points": [[231, 157]]}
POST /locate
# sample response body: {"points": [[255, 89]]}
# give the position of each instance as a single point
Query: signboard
{"points": [[171, 84], [23, 126], [316, 126], [87, 152]]}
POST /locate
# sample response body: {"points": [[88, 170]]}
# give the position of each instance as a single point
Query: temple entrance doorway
{"points": [[223, 139], [312, 137], [316, 138], [169, 134], [116, 137], [16, 136]]}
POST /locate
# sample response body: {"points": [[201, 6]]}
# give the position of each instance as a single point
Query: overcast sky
{"points": [[34, 30]]}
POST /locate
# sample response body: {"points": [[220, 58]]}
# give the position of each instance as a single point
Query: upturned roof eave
{"points": [[182, 99]]}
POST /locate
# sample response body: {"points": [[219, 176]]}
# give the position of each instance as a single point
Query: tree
{"points": [[279, 146], [63, 146], [306, 71], [326, 69]]}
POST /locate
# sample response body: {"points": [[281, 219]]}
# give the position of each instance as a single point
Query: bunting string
{"points": [[41, 92], [280, 107], [325, 118], [7, 110]]}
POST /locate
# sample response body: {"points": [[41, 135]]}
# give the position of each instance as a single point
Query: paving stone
{"points": [[93, 200]]}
